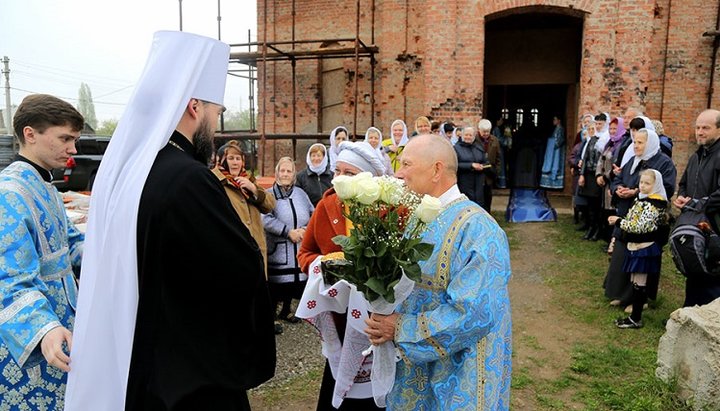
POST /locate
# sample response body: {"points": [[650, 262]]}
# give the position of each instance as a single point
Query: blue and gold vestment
{"points": [[38, 289]]}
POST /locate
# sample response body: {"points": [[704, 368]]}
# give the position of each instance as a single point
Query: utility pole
{"points": [[180, 4], [8, 116]]}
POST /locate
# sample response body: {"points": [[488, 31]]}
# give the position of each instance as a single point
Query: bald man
{"points": [[699, 190], [454, 331]]}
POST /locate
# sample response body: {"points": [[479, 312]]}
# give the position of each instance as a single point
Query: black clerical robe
{"points": [[204, 319]]}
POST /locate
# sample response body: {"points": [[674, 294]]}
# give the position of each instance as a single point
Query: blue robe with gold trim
{"points": [[38, 290], [454, 331]]}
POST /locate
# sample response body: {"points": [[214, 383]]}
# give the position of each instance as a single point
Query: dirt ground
{"points": [[543, 335]]}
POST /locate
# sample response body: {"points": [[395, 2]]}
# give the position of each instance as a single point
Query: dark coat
{"points": [[624, 144], [204, 317], [701, 182], [659, 162], [589, 165], [313, 184], [470, 181], [702, 179]]}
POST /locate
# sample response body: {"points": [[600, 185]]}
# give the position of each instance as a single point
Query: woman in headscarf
{"points": [[605, 175], [646, 155], [636, 124], [346, 381], [284, 228], [447, 131], [373, 136], [584, 121], [396, 143], [337, 136], [317, 177], [248, 198]]}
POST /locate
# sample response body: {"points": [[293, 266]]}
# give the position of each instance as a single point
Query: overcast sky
{"points": [[54, 45]]}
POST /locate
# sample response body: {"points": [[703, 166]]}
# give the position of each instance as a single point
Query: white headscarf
{"points": [[180, 66], [404, 138], [453, 137], [585, 137], [652, 147], [604, 134], [361, 155], [334, 149], [657, 188], [379, 150], [630, 152], [323, 164]]}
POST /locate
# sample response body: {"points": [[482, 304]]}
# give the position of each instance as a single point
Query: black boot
{"points": [[596, 234], [639, 299], [576, 217]]}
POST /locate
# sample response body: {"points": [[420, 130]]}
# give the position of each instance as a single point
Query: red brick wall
{"points": [[431, 60]]}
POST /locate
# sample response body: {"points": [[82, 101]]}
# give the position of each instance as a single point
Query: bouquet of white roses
{"points": [[382, 253], [384, 241]]}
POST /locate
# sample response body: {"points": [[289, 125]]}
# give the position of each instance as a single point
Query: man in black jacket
{"points": [[699, 190]]}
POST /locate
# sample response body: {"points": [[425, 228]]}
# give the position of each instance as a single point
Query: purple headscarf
{"points": [[620, 130]]}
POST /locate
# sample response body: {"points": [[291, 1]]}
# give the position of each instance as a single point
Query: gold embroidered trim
{"points": [[442, 270], [438, 348], [481, 346]]}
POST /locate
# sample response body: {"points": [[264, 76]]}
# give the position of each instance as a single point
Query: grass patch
{"points": [[616, 369], [299, 388]]}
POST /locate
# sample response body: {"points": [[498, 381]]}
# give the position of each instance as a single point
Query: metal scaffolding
{"points": [[245, 58]]}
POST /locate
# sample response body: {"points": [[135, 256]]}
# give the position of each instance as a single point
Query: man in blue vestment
{"points": [[39, 247], [454, 331]]}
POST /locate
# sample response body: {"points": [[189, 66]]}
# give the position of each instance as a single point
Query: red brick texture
{"points": [[645, 53]]}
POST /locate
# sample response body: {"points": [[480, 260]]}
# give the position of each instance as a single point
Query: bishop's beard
{"points": [[203, 142]]}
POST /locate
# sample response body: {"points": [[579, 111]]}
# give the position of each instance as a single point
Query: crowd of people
{"points": [[187, 262], [623, 181]]}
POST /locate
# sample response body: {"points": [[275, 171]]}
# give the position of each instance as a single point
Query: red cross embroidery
{"points": [[311, 304], [355, 313], [332, 292]]}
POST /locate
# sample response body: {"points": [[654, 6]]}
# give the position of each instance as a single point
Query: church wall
{"points": [[432, 53]]}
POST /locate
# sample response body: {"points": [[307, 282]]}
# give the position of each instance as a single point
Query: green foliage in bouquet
{"points": [[385, 239]]}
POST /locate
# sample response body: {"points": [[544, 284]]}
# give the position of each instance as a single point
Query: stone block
{"points": [[690, 352]]}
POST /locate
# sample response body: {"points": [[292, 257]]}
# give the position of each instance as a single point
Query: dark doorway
{"points": [[532, 72]]}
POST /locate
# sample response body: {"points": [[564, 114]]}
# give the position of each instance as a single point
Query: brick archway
{"points": [[497, 9], [533, 63]]}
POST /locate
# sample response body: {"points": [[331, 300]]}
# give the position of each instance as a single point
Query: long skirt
{"points": [[617, 282]]}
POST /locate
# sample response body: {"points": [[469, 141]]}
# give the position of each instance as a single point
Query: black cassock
{"points": [[204, 331]]}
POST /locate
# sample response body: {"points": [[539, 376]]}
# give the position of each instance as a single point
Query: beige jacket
{"points": [[249, 210]]}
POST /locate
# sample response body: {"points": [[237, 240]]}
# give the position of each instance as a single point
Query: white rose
{"points": [[428, 209], [362, 176], [345, 187], [368, 190], [391, 190]]}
